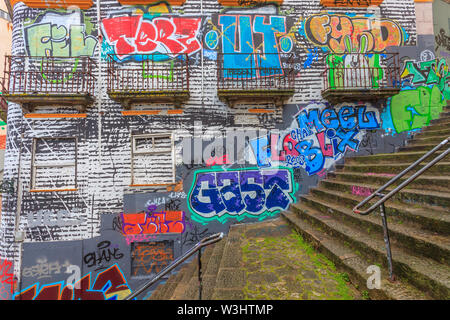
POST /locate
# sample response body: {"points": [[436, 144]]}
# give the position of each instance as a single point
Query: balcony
{"points": [[350, 3], [361, 76], [255, 77], [148, 78], [49, 81]]}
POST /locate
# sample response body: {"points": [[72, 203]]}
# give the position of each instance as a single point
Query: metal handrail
{"points": [[385, 197], [400, 175], [198, 247]]}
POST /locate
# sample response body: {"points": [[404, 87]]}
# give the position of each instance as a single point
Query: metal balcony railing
{"points": [[43, 76], [361, 75], [148, 77], [261, 72]]}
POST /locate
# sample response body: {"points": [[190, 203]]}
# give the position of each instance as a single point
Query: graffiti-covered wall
{"points": [[115, 194], [441, 24]]}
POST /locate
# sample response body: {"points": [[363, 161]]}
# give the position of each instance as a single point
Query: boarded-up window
{"points": [[149, 258], [54, 164], [152, 159]]}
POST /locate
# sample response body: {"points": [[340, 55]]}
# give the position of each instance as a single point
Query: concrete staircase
{"points": [[418, 219], [221, 273]]}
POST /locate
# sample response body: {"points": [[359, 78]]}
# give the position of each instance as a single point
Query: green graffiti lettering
{"points": [[414, 109], [39, 39], [80, 44], [52, 35]]}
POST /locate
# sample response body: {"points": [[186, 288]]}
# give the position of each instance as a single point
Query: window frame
{"points": [[135, 153], [53, 164]]}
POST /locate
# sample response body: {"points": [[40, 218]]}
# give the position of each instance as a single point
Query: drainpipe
{"points": [[10, 10], [201, 51], [99, 94]]}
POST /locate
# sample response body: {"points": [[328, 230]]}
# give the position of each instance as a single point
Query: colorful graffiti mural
{"points": [[320, 136], [140, 34], [222, 194], [108, 285], [412, 109], [332, 31], [431, 72], [60, 34], [152, 222], [299, 144], [425, 89], [241, 49]]}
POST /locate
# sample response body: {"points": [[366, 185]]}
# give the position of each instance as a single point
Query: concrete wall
{"points": [[99, 229], [441, 25]]}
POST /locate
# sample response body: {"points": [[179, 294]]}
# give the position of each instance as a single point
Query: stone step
{"points": [[416, 147], [398, 157], [441, 121], [392, 169], [231, 277], [209, 274], [435, 140], [432, 132], [442, 134], [444, 114], [437, 126], [412, 197], [419, 241], [353, 264], [193, 288], [424, 273], [424, 181], [433, 218], [177, 284], [165, 289]]}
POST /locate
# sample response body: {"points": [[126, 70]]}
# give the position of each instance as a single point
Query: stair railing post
{"points": [[199, 274], [387, 241]]}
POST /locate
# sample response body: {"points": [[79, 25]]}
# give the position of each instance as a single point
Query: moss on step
{"points": [[287, 267]]}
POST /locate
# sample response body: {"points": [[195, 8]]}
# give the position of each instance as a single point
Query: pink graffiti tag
{"points": [[166, 35], [361, 191], [217, 160], [381, 174], [139, 238]]}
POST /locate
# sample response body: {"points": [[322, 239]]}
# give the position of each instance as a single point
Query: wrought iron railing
{"points": [[385, 197], [362, 71], [147, 73], [255, 71], [197, 248], [28, 75]]}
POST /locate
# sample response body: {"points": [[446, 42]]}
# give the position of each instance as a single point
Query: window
{"points": [[152, 159], [149, 258], [54, 164]]}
